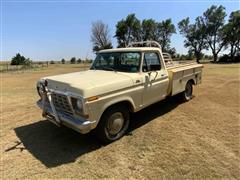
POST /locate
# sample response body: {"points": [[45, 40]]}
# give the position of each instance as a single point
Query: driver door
{"points": [[155, 78]]}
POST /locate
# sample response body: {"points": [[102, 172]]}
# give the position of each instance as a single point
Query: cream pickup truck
{"points": [[120, 81]]}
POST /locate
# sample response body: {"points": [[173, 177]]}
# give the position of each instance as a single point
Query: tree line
{"points": [[18, 59], [73, 60], [207, 32]]}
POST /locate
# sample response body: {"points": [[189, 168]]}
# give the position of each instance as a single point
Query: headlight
{"points": [[77, 105], [41, 87], [40, 90]]}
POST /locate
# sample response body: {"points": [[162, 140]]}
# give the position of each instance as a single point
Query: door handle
{"points": [[137, 81]]}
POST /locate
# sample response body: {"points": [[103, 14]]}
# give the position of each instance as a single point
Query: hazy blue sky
{"points": [[51, 30]]}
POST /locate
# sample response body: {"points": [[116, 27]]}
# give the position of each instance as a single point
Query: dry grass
{"points": [[169, 140]]}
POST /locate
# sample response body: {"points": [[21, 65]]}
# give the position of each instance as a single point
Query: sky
{"points": [[56, 29]]}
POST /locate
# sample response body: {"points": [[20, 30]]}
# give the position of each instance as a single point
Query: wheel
{"points": [[113, 124], [186, 95]]}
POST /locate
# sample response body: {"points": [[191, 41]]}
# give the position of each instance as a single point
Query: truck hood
{"points": [[89, 83]]}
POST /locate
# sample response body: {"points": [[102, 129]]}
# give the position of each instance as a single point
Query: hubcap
{"points": [[115, 123]]}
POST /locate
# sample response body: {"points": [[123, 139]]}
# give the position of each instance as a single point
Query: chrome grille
{"points": [[61, 103]]}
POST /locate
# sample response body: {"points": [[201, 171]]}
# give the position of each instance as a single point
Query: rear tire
{"points": [[113, 124], [186, 95]]}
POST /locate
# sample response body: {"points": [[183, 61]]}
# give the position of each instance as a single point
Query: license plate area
{"points": [[52, 119]]}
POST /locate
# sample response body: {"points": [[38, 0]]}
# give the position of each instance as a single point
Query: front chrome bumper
{"points": [[79, 124]]}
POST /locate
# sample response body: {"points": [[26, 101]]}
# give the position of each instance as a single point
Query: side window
{"points": [[151, 62]]}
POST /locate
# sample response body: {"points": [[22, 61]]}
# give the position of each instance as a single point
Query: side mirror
{"points": [[149, 74]]}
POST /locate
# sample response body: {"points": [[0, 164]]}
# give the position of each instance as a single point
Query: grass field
{"points": [[169, 140]]}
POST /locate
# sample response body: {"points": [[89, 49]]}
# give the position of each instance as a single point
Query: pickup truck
{"points": [[120, 81]]}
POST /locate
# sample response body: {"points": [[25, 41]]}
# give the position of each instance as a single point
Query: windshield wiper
{"points": [[108, 68]]}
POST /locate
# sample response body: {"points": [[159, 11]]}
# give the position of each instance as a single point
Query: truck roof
{"points": [[129, 49]]}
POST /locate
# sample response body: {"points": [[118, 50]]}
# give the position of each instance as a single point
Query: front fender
{"points": [[97, 108], [119, 100]]}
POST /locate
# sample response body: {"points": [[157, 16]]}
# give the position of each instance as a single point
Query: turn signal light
{"points": [[93, 98]]}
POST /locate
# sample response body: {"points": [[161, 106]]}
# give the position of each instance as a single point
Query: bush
{"points": [[18, 60], [79, 61], [88, 60], [63, 61], [224, 58], [52, 62], [237, 58], [27, 62], [73, 60]]}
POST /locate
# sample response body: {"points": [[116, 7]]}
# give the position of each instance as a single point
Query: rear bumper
{"points": [[79, 124]]}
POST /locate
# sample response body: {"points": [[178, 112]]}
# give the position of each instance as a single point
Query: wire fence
{"points": [[6, 67], [15, 68]]}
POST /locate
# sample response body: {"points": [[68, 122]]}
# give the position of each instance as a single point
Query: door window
{"points": [[151, 62]]}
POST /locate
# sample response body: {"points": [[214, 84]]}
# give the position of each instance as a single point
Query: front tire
{"points": [[113, 124], [186, 95]]}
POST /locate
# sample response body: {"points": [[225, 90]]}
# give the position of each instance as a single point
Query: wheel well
{"points": [[192, 81], [122, 103]]}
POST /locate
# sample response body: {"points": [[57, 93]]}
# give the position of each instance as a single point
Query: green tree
{"points": [[63, 61], [79, 60], [231, 33], [100, 37], [149, 28], [18, 60], [195, 36], [172, 52], [178, 56], [128, 30], [73, 60], [213, 19], [165, 30], [190, 54]]}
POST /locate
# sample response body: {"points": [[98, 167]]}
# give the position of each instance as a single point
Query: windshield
{"points": [[118, 61]]}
